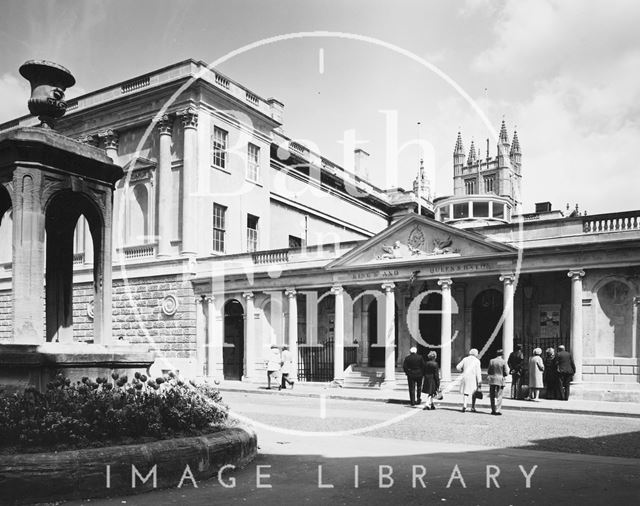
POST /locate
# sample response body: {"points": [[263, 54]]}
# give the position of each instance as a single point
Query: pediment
{"points": [[420, 239]]}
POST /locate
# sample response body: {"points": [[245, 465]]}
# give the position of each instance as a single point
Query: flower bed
{"points": [[108, 411]]}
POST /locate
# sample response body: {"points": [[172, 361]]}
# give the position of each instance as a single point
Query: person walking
{"points": [[566, 369], [536, 368], [431, 383], [496, 373], [274, 362], [288, 373], [550, 375], [515, 363], [471, 379], [413, 366]]}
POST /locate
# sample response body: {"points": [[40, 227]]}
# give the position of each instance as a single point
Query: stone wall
{"points": [[608, 370], [5, 316]]}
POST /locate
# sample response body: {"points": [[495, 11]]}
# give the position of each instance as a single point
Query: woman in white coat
{"points": [[274, 363], [471, 379]]}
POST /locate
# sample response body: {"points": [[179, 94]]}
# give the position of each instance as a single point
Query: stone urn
{"points": [[48, 83]]}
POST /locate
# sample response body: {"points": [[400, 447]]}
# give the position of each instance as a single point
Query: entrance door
{"points": [[233, 351], [430, 321], [377, 353], [487, 310]]}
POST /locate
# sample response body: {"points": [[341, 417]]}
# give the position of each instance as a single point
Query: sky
{"points": [[565, 73]]}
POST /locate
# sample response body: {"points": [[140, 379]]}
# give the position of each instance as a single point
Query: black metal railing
{"points": [[315, 363]]}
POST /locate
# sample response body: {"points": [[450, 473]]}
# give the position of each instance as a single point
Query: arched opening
{"points": [[233, 351], [430, 322], [61, 219], [616, 301], [486, 313], [6, 227]]}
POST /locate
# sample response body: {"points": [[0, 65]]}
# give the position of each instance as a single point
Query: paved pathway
{"points": [[423, 458]]}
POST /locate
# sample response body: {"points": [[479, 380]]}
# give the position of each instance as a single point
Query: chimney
{"points": [[361, 163], [277, 110]]}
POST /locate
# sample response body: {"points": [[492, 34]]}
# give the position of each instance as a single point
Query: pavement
{"points": [[451, 398]]}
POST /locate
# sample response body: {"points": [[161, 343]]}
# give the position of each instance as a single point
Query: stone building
{"points": [[232, 236]]}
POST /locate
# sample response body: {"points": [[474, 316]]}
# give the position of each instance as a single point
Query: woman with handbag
{"points": [[471, 379], [431, 384], [536, 368]]}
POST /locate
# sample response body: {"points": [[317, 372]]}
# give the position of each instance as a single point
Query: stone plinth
{"points": [[24, 365]]}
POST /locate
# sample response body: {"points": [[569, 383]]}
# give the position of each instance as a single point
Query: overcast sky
{"points": [[565, 72]]}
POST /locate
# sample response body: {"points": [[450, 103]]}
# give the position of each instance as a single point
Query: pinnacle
{"points": [[472, 153], [459, 149], [515, 146], [504, 137]]}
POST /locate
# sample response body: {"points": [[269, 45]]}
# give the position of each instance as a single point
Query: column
{"points": [[634, 327], [103, 275], [189, 119], [109, 139], [390, 333], [28, 259], [445, 329], [215, 338], [201, 336], [507, 326], [293, 327], [250, 337], [165, 213], [338, 339], [576, 276]]}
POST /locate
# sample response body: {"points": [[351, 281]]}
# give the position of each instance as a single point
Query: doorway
{"points": [[486, 313], [233, 351]]}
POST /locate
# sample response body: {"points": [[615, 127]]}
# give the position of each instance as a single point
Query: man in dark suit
{"points": [[566, 370], [413, 367], [516, 364], [496, 373]]}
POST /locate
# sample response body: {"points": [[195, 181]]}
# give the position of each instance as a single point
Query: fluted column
{"points": [[189, 119], [250, 336], [507, 326], [338, 339], [445, 329], [109, 139], [165, 213], [293, 327], [389, 333], [634, 327], [215, 338], [576, 276]]}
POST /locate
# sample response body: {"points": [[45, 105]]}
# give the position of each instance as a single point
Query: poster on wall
{"points": [[549, 318]]}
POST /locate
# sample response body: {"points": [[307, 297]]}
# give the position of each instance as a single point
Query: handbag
{"points": [[439, 394], [478, 394]]}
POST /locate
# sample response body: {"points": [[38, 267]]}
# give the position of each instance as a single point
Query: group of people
{"points": [[471, 380], [280, 367], [554, 373], [423, 377]]}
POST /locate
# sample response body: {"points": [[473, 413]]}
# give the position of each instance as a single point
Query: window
{"points": [[219, 147], [481, 209], [137, 223], [252, 232], [498, 210], [460, 211], [295, 242], [470, 186], [253, 162], [489, 184], [219, 213], [444, 212]]}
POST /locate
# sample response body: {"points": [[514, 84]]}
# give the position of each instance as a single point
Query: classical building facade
{"points": [[231, 236]]}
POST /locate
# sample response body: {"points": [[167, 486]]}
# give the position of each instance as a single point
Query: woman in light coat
{"points": [[274, 362], [471, 379], [288, 372], [536, 368]]}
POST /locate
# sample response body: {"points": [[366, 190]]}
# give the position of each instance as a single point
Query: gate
{"points": [[315, 363]]}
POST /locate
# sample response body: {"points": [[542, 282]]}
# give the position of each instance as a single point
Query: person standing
{"points": [[274, 362], [536, 368], [413, 367], [566, 369], [431, 383], [287, 371], [471, 379], [516, 364], [550, 375], [496, 373]]}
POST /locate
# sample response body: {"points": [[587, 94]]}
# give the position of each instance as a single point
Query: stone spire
{"points": [[515, 146], [458, 155], [459, 149], [472, 154], [424, 188], [504, 137]]}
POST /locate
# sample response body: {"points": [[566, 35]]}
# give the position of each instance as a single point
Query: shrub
{"points": [[100, 411]]}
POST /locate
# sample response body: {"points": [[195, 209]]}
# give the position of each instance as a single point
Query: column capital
{"points": [[189, 118], [248, 295], [575, 274], [508, 279], [388, 287], [445, 282], [290, 292], [636, 301], [208, 299], [165, 124], [109, 139], [337, 289], [91, 139]]}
